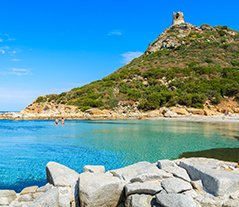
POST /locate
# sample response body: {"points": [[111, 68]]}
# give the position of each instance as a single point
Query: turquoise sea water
{"points": [[27, 146]]}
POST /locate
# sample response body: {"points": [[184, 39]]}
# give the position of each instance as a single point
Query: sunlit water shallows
{"points": [[27, 146]]}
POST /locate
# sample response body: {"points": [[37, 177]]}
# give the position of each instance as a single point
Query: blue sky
{"points": [[51, 46]]}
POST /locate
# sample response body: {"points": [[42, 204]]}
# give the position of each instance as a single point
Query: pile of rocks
{"points": [[193, 182]]}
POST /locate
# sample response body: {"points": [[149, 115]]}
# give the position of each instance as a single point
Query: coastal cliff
{"points": [[187, 70]]}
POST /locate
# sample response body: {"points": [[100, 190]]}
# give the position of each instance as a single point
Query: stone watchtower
{"points": [[178, 18]]}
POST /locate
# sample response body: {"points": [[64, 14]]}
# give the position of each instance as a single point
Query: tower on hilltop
{"points": [[178, 18]]}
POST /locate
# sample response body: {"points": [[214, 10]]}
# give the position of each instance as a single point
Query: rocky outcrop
{"points": [[125, 110], [170, 39], [207, 183]]}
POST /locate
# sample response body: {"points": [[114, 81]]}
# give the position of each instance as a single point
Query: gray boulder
{"points": [[100, 190], [62, 176], [7, 196], [176, 185], [137, 200], [215, 180], [150, 187], [94, 168], [175, 200], [135, 170]]}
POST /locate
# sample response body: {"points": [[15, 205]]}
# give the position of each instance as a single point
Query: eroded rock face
{"points": [[100, 190]]}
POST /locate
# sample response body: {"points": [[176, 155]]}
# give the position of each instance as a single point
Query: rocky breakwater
{"points": [[193, 182]]}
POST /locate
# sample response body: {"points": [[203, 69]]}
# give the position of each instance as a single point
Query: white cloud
{"points": [[115, 33], [20, 71], [129, 56], [16, 72]]}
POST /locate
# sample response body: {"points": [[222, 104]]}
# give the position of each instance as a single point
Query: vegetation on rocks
{"points": [[186, 65]]}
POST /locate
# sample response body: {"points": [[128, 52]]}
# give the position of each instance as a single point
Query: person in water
{"points": [[62, 121], [57, 121]]}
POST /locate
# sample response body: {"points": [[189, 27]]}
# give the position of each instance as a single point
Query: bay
{"points": [[27, 146]]}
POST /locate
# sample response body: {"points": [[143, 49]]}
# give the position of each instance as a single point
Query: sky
{"points": [[51, 46]]}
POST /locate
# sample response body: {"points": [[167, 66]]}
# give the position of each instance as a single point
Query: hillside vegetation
{"points": [[186, 65]]}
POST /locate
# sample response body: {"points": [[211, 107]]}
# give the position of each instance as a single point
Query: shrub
{"points": [[41, 99]]}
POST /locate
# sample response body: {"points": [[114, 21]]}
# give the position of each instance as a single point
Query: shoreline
{"points": [[222, 118], [232, 118]]}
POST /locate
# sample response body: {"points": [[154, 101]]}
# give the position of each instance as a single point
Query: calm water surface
{"points": [[27, 146]]}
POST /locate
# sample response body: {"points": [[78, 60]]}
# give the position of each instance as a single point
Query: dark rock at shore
{"points": [[226, 154]]}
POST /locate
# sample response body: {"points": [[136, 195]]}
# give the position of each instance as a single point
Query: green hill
{"points": [[186, 65]]}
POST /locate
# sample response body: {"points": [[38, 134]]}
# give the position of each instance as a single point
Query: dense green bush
{"points": [[41, 99]]}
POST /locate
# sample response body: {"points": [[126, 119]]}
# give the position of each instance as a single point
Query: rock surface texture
{"points": [[215, 181], [192, 182], [100, 190]]}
